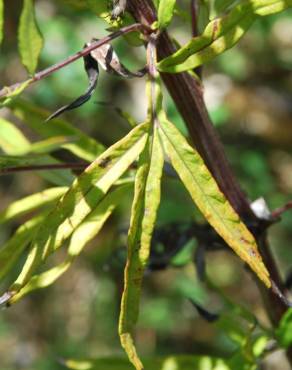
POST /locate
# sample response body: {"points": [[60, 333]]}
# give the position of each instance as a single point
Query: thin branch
{"points": [[279, 211], [194, 16], [195, 31], [94, 45], [43, 167], [187, 94]]}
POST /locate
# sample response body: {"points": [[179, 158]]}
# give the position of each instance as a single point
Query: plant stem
{"points": [[94, 45], [187, 94], [188, 97], [43, 167]]}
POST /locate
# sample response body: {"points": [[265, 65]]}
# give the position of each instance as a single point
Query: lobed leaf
{"points": [[143, 217], [30, 40], [209, 199], [87, 191], [165, 13]]}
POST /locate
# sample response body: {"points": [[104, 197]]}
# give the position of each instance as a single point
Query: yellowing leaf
{"points": [[81, 236], [30, 203], [87, 191], [30, 40], [12, 140], [209, 199], [143, 217], [14, 247]]}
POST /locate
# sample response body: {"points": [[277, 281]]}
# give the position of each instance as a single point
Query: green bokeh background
{"points": [[248, 91]]}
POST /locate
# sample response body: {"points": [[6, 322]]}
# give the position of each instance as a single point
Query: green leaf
{"points": [[143, 217], [220, 34], [209, 199], [12, 140], [12, 93], [87, 191], [13, 248], [50, 145], [165, 12], [85, 232], [284, 330], [30, 40], [82, 146], [31, 203], [1, 19]]}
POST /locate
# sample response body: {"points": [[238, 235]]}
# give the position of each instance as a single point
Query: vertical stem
{"points": [[187, 94], [188, 97]]}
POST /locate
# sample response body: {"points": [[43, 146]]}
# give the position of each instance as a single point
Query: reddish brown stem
{"points": [[279, 211], [187, 95], [94, 45], [43, 167]]}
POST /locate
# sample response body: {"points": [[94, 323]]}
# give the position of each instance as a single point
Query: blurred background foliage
{"points": [[248, 91]]}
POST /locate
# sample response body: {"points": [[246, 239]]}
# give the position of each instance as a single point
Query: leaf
{"points": [[91, 68], [220, 35], [165, 13], [83, 146], [110, 62], [12, 140], [30, 40], [12, 93], [217, 47], [268, 7], [209, 199], [13, 248], [50, 145], [123, 114], [87, 191], [81, 236], [31, 203], [1, 19], [284, 330], [215, 29], [143, 217]]}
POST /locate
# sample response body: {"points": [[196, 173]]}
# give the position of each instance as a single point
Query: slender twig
{"points": [[279, 211], [94, 45], [195, 31], [43, 167], [194, 15]]}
